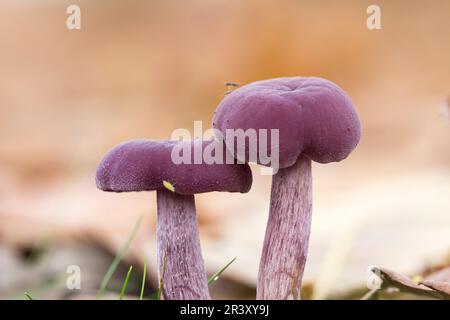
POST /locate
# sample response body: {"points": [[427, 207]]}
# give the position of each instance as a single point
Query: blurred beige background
{"points": [[140, 69]]}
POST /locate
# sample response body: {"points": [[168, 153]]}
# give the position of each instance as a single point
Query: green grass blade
{"points": [[216, 275], [163, 272], [29, 297], [119, 256], [125, 283], [144, 275]]}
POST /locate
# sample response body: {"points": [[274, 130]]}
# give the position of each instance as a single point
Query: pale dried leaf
{"points": [[440, 286], [404, 283]]}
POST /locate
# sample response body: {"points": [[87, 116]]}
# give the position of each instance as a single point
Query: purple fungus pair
{"points": [[316, 121], [143, 165]]}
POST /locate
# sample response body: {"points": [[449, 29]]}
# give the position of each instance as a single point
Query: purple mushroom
{"points": [[316, 120], [143, 165]]}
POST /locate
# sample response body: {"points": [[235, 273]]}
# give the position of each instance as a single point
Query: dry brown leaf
{"points": [[402, 282], [442, 287]]}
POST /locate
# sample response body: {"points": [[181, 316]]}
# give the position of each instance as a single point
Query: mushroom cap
{"points": [[314, 116], [143, 165]]}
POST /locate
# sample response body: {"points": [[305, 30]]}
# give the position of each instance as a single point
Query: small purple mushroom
{"points": [[316, 121], [143, 165]]}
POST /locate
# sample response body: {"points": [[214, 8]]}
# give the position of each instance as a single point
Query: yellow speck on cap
{"points": [[168, 186]]}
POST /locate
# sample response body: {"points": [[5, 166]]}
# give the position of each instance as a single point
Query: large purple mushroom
{"points": [[143, 165], [316, 120]]}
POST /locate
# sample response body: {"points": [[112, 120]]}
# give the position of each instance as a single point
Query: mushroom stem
{"points": [[287, 234], [182, 271]]}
